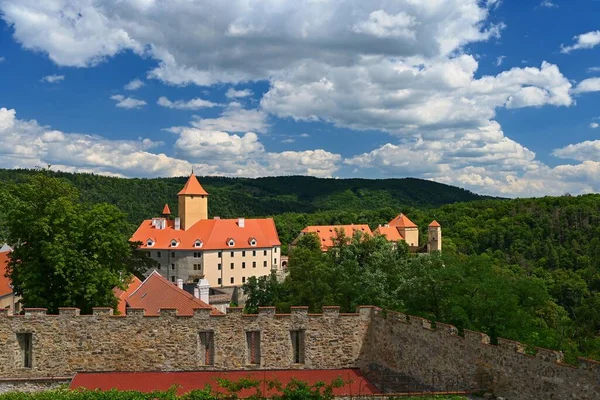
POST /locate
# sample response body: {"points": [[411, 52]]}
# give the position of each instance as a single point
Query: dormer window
{"points": [[174, 243], [149, 243], [198, 243], [252, 242], [230, 242]]}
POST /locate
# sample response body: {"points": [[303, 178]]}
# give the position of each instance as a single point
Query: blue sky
{"points": [[499, 97]]}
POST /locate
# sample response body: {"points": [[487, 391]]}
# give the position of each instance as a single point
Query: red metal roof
{"points": [[193, 187], [214, 234], [356, 384], [327, 233], [156, 292], [5, 288]]}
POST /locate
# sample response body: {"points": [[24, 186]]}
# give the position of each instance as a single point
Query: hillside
{"points": [[233, 197]]}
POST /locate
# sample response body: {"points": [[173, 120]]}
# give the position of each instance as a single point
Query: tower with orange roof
{"points": [[434, 237], [193, 203]]}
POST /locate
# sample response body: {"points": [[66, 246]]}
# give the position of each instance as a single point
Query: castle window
{"points": [[218, 281], [158, 254], [253, 264], [297, 346], [275, 261], [26, 345], [243, 279], [198, 243], [264, 263], [219, 266], [149, 242], [220, 254], [232, 280], [197, 254], [243, 265], [265, 253], [172, 266], [275, 250], [232, 254], [231, 243], [232, 265], [244, 253], [253, 347], [173, 279], [253, 253], [174, 243], [197, 267], [173, 254], [207, 348]]}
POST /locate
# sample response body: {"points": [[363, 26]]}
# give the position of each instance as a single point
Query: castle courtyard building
{"points": [[191, 246]]}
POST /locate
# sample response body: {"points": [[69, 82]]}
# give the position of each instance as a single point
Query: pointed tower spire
{"points": [[193, 203], [166, 211]]}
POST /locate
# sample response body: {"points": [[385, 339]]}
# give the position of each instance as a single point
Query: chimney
{"points": [[196, 292], [203, 290], [180, 283], [216, 217], [177, 223], [241, 222]]}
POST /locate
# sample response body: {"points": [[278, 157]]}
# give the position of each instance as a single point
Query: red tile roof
{"points": [[435, 224], [122, 295], [5, 288], [327, 233], [356, 383], [193, 187], [214, 234], [390, 232], [402, 221], [156, 292], [166, 210]]}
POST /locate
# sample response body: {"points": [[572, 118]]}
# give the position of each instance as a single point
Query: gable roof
{"points": [[391, 233], [5, 284], [122, 295], [156, 292], [192, 187], [327, 233], [214, 234], [402, 221], [435, 224]]}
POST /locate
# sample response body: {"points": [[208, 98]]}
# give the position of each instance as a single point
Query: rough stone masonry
{"points": [[383, 344]]}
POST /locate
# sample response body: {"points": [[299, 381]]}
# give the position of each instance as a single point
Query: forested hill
{"points": [[234, 197]]}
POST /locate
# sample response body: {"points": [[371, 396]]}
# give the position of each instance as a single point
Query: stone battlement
{"points": [[398, 352]]}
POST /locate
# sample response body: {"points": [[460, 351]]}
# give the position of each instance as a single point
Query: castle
{"points": [[224, 252], [401, 228], [397, 353]]}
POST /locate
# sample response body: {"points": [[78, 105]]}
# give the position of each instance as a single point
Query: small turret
{"points": [[166, 211], [434, 237]]}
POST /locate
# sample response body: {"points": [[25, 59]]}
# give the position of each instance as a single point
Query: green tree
{"points": [[66, 253]]}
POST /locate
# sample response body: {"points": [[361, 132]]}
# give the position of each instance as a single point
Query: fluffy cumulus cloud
{"points": [[127, 102], [27, 144], [134, 84], [53, 78], [400, 67], [584, 151], [193, 104], [583, 41]]}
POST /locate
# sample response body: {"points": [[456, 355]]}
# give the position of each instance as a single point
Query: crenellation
{"points": [[331, 311], [102, 311], [266, 312], [476, 337], [549, 355], [511, 345]]}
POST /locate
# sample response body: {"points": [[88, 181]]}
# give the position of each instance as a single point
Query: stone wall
{"points": [[401, 350], [69, 342]]}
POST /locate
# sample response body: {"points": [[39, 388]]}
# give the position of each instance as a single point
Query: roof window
{"points": [[149, 242], [174, 243], [230, 242], [198, 243], [252, 242]]}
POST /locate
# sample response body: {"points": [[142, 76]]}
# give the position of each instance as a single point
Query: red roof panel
{"points": [[5, 288], [193, 187], [356, 384]]}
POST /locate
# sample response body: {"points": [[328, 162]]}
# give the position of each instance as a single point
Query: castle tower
{"points": [[193, 203], [408, 229], [434, 241]]}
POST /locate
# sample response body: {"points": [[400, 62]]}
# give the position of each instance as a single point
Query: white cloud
{"points": [[584, 151], [235, 119], [288, 140], [594, 125], [2, 59], [134, 84], [588, 85], [337, 32], [583, 41], [548, 4], [593, 69], [53, 78], [499, 60], [194, 104], [232, 93], [127, 102]]}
